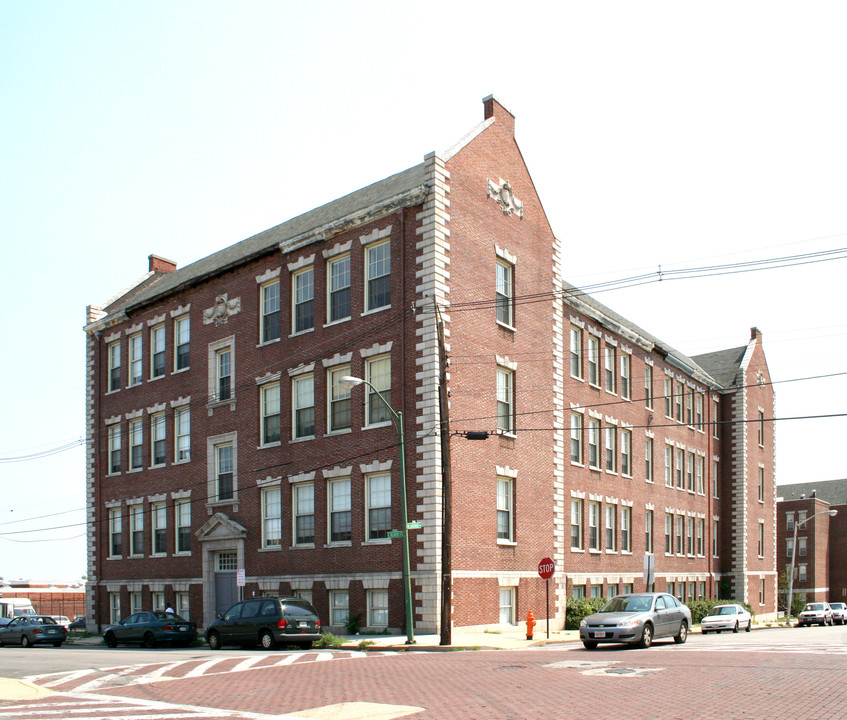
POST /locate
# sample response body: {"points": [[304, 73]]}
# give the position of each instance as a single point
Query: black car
{"points": [[29, 630], [149, 628], [267, 622], [78, 623]]}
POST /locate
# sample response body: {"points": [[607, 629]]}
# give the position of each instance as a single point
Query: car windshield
{"points": [[631, 603], [160, 615], [725, 610], [814, 606]]}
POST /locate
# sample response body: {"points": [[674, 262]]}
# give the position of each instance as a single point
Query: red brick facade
{"points": [[227, 446]]}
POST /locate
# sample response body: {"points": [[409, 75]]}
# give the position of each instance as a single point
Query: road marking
{"points": [[818, 649], [357, 711]]}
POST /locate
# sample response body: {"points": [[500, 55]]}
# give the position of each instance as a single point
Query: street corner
{"points": [[14, 689]]}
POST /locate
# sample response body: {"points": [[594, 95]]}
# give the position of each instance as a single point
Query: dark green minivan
{"points": [[267, 621]]}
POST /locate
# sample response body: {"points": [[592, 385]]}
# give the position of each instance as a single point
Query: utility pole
{"points": [[446, 637]]}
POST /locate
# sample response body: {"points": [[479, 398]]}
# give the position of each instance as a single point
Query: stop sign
{"points": [[546, 568]]}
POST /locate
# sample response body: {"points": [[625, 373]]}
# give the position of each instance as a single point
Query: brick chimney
{"points": [[160, 264], [494, 109], [756, 334]]}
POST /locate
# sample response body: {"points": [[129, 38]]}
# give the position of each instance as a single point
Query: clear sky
{"points": [[672, 134]]}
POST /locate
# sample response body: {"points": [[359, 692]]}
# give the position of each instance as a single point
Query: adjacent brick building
{"points": [[820, 567], [224, 457]]}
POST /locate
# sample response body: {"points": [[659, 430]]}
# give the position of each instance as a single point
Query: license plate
{"points": [[600, 634], [51, 631], [303, 624], [182, 628]]}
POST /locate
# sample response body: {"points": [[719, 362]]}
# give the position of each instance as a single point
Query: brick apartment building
{"points": [[820, 568], [225, 458]]}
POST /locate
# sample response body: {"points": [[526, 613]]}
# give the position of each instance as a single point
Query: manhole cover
{"points": [[512, 667], [619, 671]]}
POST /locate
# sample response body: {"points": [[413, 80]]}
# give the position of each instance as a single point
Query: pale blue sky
{"points": [[657, 133]]}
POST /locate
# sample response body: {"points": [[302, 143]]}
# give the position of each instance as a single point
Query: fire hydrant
{"points": [[530, 624]]}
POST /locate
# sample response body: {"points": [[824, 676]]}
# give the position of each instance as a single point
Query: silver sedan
{"points": [[636, 619]]}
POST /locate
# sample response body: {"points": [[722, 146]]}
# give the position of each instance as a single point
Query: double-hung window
{"points": [[716, 538], [115, 532], [272, 517], [801, 547], [182, 515], [157, 439], [505, 500], [626, 451], [593, 443], [159, 521], [648, 386], [680, 534], [668, 465], [378, 494], [338, 289], [761, 484], [505, 293], [303, 499], [576, 437], [157, 351], [182, 426], [135, 359], [507, 605], [611, 449], [114, 449], [593, 360], [609, 367], [182, 342], [648, 530], [303, 400], [224, 472], [339, 411], [377, 608], [136, 529], [668, 534], [626, 372], [626, 529], [701, 475], [505, 400], [701, 536], [668, 397], [339, 607], [270, 413], [378, 374], [270, 320], [340, 507], [223, 361], [678, 469], [593, 525], [303, 296], [648, 459], [576, 524], [698, 411], [576, 352], [114, 354], [377, 276], [689, 471], [136, 444], [611, 526], [677, 401], [690, 537]]}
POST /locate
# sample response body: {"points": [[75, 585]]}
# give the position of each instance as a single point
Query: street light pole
{"points": [[349, 382], [831, 513]]}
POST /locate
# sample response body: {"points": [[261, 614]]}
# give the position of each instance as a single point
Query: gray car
{"points": [[636, 619], [267, 622]]}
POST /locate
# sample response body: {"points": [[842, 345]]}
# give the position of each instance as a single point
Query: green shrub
{"points": [[578, 608], [328, 640], [351, 624]]}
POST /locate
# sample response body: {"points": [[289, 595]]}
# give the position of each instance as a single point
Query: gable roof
{"points": [[387, 194], [723, 365], [833, 492]]}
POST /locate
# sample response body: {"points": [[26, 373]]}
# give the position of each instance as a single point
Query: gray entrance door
{"points": [[226, 591]]}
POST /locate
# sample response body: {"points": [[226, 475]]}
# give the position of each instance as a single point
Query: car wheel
{"points": [[749, 625], [214, 640], [111, 640], [305, 645], [735, 629], [682, 635], [58, 643], [25, 641], [149, 640], [705, 632], [646, 636], [266, 640], [589, 645], [718, 632]]}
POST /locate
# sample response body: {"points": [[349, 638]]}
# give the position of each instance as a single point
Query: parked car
{"points": [[815, 613], [29, 630], [61, 620], [267, 622], [149, 628], [727, 617], [839, 612], [636, 619], [78, 623]]}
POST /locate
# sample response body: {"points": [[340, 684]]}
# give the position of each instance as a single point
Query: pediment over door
{"points": [[221, 527]]}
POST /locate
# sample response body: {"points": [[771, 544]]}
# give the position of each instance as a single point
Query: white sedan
{"points": [[726, 617]]}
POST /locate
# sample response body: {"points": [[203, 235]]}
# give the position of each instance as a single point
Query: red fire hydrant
{"points": [[530, 624]]}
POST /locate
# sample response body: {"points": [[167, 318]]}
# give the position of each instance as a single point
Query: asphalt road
{"points": [[771, 673]]}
